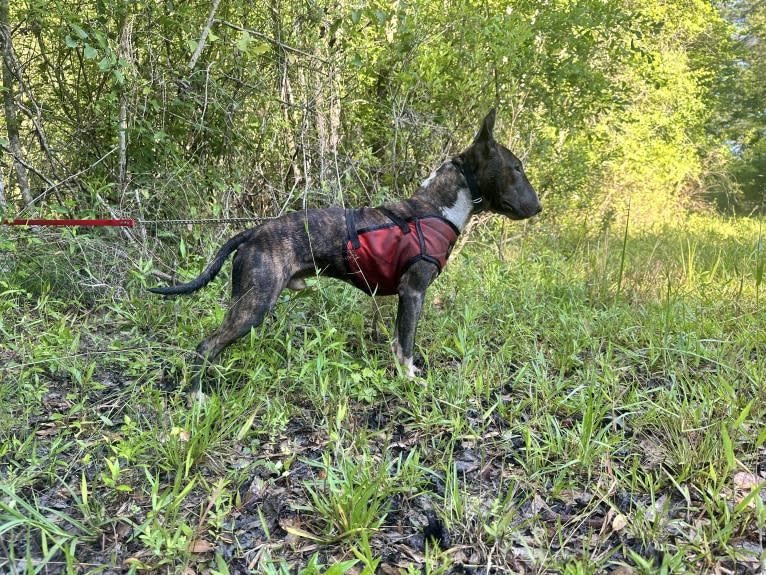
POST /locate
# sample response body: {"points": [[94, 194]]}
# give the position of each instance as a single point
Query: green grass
{"points": [[589, 401]]}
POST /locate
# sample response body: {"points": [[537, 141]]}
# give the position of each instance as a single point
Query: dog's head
{"points": [[500, 177]]}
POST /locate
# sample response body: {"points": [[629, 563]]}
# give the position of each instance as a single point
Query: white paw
{"points": [[406, 363], [410, 370]]}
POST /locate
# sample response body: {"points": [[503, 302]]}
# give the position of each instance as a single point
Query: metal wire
{"points": [[203, 221]]}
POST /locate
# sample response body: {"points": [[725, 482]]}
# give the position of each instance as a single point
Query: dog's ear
{"points": [[485, 132]]}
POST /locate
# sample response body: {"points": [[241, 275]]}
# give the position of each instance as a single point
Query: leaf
{"points": [[223, 568], [260, 48], [105, 64], [341, 568], [81, 34], [84, 489], [70, 42], [246, 427], [728, 447], [243, 42], [743, 415], [301, 533], [90, 52]]}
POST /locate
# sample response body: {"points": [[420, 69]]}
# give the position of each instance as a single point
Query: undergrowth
{"points": [[588, 403]]}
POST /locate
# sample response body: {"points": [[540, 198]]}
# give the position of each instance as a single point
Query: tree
{"points": [[10, 69], [741, 118]]}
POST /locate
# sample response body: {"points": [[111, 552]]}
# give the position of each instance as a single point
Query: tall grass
{"points": [[587, 402]]}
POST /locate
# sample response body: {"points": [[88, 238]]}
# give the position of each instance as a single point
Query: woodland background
{"points": [[592, 397], [156, 109]]}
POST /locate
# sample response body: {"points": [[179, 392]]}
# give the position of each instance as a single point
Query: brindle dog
{"points": [[282, 252]]}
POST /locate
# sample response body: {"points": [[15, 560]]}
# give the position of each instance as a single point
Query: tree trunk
{"points": [[14, 142], [125, 55], [286, 97]]}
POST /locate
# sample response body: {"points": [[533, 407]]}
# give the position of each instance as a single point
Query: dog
{"points": [[395, 249]]}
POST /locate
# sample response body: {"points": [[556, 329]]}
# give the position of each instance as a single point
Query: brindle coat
{"points": [[282, 252]]}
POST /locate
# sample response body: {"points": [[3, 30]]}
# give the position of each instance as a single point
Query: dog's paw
{"points": [[196, 396], [408, 369], [411, 370], [407, 364]]}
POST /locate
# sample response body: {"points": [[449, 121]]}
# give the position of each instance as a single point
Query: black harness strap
{"points": [[351, 227], [421, 239], [396, 219]]}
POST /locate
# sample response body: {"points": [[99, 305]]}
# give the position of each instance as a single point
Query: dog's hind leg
{"points": [[246, 313], [254, 293], [412, 290]]}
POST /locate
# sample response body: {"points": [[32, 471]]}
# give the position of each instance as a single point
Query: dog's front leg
{"points": [[412, 290]]}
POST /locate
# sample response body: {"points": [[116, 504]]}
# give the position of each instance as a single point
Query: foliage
{"points": [[593, 400], [590, 401], [129, 106], [742, 114]]}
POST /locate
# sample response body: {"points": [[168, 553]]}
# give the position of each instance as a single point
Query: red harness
{"points": [[376, 257]]}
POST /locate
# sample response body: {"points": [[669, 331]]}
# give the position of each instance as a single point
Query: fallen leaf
{"points": [[200, 546], [181, 433], [46, 431], [619, 522], [746, 483], [745, 480]]}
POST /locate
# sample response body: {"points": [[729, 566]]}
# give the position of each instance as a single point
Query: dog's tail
{"points": [[209, 272]]}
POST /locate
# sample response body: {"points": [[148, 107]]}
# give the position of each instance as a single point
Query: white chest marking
{"points": [[459, 212]]}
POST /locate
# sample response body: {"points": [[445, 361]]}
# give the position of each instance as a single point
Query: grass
{"points": [[589, 402]]}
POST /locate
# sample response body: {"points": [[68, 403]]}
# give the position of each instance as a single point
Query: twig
{"points": [[53, 186], [26, 165], [270, 40]]}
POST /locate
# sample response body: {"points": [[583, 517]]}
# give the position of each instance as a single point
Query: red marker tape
{"points": [[127, 223]]}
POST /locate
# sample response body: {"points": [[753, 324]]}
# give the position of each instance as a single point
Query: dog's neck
{"points": [[459, 212], [448, 190]]}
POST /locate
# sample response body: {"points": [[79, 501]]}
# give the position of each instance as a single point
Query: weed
{"points": [[587, 402]]}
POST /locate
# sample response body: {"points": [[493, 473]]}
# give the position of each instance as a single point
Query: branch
{"points": [[270, 40], [203, 37], [53, 186]]}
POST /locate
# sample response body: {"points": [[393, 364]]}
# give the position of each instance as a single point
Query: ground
{"points": [[589, 403]]}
